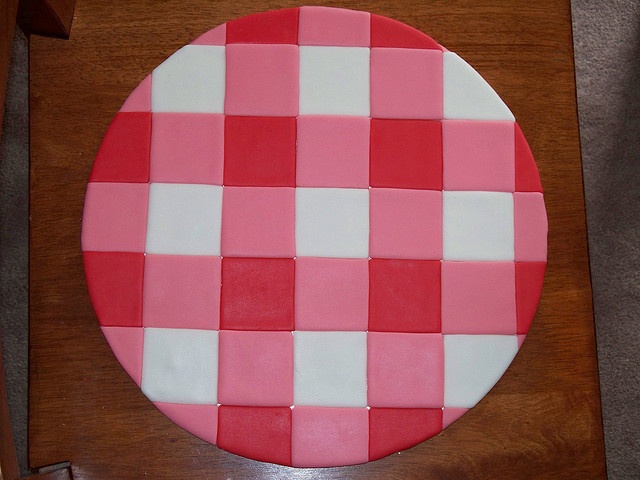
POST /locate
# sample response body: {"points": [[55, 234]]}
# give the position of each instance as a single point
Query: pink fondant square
{"points": [[140, 99], [334, 26], [479, 298], [406, 83], [530, 227], [405, 370], [187, 148], [324, 437], [115, 217], [451, 414], [521, 339], [332, 151], [258, 222], [126, 343], [406, 224], [255, 368], [478, 155], [200, 420], [215, 36], [181, 291], [262, 80], [331, 294]]}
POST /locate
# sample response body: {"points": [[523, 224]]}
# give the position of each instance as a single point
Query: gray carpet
{"points": [[14, 245], [607, 51]]}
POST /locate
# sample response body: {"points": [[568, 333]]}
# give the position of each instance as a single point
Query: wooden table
{"points": [[543, 418]]}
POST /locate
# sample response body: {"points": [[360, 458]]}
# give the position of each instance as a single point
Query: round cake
{"points": [[314, 237]]}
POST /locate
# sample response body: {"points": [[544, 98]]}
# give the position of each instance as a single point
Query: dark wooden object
{"points": [[543, 418], [8, 12], [51, 18], [9, 469]]}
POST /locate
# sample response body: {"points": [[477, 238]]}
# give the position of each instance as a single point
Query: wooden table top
{"points": [[543, 418]]}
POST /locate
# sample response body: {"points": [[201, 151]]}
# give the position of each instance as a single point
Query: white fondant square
{"points": [[468, 96], [191, 80], [184, 219], [334, 81], [473, 364], [478, 226], [180, 366], [332, 222], [330, 369]]}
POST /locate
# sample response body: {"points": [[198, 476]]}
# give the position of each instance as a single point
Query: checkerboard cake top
{"points": [[314, 236]]}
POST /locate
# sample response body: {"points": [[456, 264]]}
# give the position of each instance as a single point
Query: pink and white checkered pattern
{"points": [[315, 224]]}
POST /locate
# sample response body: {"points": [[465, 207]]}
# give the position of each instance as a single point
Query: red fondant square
{"points": [[255, 368], [262, 80], [406, 154], [181, 291], [277, 26], [124, 153], [478, 298], [405, 370], [386, 32], [260, 151], [187, 148], [527, 176], [405, 223], [394, 429], [404, 295], [529, 280], [257, 293], [115, 287], [261, 433], [324, 437]]}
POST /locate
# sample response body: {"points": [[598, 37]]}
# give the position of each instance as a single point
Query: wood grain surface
{"points": [[542, 420]]}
